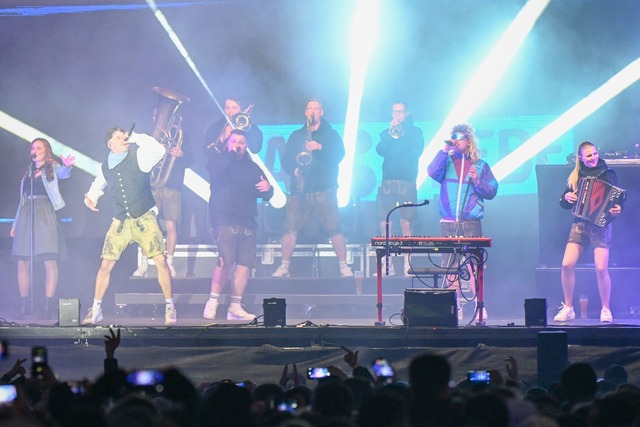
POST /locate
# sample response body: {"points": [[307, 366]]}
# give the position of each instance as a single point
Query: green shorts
{"points": [[143, 230]]}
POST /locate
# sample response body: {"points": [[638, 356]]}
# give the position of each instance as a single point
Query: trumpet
{"points": [[240, 121], [396, 131]]}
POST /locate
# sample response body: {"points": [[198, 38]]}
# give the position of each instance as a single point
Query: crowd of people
{"points": [[349, 396]]}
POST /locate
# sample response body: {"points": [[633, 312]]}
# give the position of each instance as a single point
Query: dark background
{"points": [[74, 75]]}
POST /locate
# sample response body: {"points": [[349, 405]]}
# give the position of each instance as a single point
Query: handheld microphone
{"points": [[449, 142], [133, 126], [415, 205]]}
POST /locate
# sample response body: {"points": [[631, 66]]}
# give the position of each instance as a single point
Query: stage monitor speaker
{"points": [[275, 311], [430, 307], [553, 356], [535, 312], [69, 312]]}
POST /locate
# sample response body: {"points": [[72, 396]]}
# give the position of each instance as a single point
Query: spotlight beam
{"points": [[587, 106], [363, 41], [29, 133], [485, 78], [196, 185]]}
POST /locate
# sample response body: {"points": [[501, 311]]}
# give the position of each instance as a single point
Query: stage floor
{"points": [[321, 316], [210, 351]]}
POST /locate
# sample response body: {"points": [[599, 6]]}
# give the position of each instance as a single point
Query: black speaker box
{"points": [[535, 312], [430, 307], [69, 312], [275, 311], [553, 356]]}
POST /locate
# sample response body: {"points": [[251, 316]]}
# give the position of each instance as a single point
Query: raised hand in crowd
{"points": [[284, 378], [111, 343], [350, 357], [16, 369], [511, 367]]}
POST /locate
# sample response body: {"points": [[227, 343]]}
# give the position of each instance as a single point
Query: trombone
{"points": [[240, 121]]}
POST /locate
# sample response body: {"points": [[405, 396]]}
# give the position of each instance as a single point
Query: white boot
{"points": [[236, 312], [281, 271], [142, 268], [210, 309]]}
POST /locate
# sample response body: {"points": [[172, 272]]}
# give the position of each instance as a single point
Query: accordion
{"points": [[595, 198]]}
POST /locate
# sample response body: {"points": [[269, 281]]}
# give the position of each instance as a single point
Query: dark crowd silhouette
{"points": [[362, 396]]}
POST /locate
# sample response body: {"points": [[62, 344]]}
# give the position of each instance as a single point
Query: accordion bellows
{"points": [[595, 198]]}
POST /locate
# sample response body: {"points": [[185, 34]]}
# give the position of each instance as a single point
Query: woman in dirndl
{"points": [[40, 198]]}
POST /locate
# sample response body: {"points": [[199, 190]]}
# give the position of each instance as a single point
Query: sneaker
{"points": [[93, 317], [605, 315], [170, 316], [142, 270], [485, 316], [236, 312], [210, 309], [281, 271], [566, 313], [345, 271]]}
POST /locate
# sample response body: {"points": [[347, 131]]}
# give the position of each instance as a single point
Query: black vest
{"points": [[130, 187]]}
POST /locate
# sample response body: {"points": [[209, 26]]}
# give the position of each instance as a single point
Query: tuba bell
{"points": [[168, 131]]}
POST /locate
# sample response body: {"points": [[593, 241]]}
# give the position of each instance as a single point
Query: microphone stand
{"points": [[464, 204], [386, 242], [31, 235]]}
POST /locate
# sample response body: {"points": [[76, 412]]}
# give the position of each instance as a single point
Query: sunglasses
{"points": [[458, 136]]}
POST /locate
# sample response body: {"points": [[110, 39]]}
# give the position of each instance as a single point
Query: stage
{"points": [[317, 325]]}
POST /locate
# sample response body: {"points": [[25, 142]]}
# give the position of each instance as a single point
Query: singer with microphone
{"points": [[236, 182], [400, 147], [36, 222], [466, 181], [126, 171]]}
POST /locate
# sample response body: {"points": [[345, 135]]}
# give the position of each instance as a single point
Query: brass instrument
{"points": [[304, 157], [168, 131], [240, 121], [396, 131]]}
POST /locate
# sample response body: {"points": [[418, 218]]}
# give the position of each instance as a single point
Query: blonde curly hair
{"points": [[467, 129]]}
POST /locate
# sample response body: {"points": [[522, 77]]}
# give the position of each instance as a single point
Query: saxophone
{"points": [[304, 157], [168, 131]]}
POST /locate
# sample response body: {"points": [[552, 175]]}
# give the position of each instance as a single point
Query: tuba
{"points": [[168, 131]]}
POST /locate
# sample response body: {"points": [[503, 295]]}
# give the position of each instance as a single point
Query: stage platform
{"points": [[321, 316], [210, 351]]}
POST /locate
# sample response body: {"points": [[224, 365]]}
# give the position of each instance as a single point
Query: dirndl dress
{"points": [[48, 241]]}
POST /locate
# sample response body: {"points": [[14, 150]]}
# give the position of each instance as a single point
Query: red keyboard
{"points": [[433, 242]]}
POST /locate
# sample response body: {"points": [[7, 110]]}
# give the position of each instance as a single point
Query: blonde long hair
{"points": [[572, 181], [472, 149]]}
